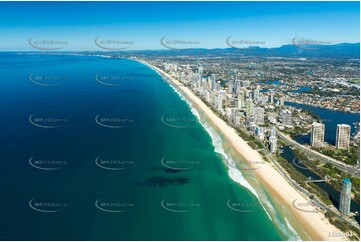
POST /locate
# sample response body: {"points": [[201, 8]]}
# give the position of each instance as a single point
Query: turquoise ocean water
{"points": [[98, 148]]}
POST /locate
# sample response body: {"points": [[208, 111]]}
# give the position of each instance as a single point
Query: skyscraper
{"points": [[271, 91], [258, 114], [256, 94], [219, 102], [317, 135], [249, 107], [345, 197], [343, 136], [242, 99], [213, 81], [273, 131], [286, 117], [273, 144], [218, 85], [200, 69]]}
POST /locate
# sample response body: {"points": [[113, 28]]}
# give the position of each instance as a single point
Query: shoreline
{"points": [[313, 222]]}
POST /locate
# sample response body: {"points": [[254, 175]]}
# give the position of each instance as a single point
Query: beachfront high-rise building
{"points": [[273, 131], [231, 87], [249, 107], [182, 77], [200, 69], [256, 93], [345, 197], [237, 86], [343, 136], [218, 87], [219, 103], [167, 66], [258, 114], [317, 135], [213, 81], [273, 144], [242, 99], [260, 132]]}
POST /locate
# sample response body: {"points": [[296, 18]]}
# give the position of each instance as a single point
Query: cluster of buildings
{"points": [[261, 112], [245, 104], [343, 133], [238, 102], [333, 100]]}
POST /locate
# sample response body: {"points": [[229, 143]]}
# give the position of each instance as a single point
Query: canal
{"points": [[330, 118]]}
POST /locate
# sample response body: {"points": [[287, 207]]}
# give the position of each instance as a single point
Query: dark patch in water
{"points": [[166, 170], [157, 181]]}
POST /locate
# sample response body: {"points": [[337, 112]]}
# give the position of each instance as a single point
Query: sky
{"points": [[142, 25]]}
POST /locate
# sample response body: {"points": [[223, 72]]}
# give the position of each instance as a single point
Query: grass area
{"points": [[348, 156], [352, 233], [354, 81], [332, 172], [301, 180]]}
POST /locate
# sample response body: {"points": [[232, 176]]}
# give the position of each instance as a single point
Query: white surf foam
{"points": [[236, 175], [233, 172]]}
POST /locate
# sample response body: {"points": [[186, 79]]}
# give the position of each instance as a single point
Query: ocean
{"points": [[96, 148]]}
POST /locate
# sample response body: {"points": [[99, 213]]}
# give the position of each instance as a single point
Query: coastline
{"points": [[312, 221]]}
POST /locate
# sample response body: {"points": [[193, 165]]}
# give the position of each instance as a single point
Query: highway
{"points": [[353, 170], [317, 203]]}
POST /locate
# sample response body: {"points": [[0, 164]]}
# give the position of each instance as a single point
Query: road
{"points": [[353, 170], [314, 200]]}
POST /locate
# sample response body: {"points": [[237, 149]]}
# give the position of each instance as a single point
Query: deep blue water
{"points": [[330, 118], [83, 147]]}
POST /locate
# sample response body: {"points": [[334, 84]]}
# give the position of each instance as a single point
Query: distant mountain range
{"points": [[344, 50]]}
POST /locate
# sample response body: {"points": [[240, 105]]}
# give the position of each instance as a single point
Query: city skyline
{"points": [[180, 121]]}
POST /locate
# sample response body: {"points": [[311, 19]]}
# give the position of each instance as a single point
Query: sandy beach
{"points": [[308, 217]]}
